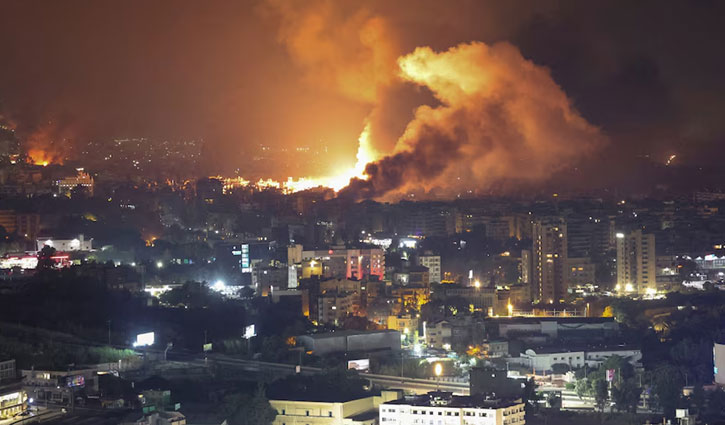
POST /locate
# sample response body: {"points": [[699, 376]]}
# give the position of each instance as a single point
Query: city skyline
{"points": [[323, 75]]}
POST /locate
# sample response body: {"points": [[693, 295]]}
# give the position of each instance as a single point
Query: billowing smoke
{"points": [[501, 120], [350, 52], [47, 143]]}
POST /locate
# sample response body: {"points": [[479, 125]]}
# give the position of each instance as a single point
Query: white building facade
{"points": [[445, 409]]}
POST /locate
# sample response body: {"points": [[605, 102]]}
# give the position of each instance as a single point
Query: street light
{"points": [[438, 370]]}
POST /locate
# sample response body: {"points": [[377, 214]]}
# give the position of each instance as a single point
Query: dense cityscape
{"points": [[513, 256]]}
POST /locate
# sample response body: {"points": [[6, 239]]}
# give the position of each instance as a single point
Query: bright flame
{"points": [[39, 157], [365, 155]]}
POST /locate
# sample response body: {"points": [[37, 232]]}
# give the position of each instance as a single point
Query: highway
{"points": [[412, 385]]}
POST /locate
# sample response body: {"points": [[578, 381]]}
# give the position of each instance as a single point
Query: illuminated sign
{"points": [[246, 267], [250, 332], [362, 365], [144, 340], [75, 381]]}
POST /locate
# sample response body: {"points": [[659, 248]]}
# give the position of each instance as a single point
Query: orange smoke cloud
{"points": [[502, 119], [44, 145], [351, 54]]}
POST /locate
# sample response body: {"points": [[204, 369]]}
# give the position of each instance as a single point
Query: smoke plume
{"points": [[501, 120], [352, 53]]}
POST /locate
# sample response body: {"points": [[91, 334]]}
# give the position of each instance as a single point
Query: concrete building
{"points": [[542, 359], [555, 327], [446, 409], [332, 306], [58, 387], [455, 332], [498, 348], [550, 279], [335, 411], [340, 262], [525, 267], [581, 271], [8, 371], [351, 341], [439, 335], [65, 245], [13, 399], [82, 179], [407, 325], [24, 224], [636, 263], [433, 263]]}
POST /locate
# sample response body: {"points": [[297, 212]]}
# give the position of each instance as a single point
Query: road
{"points": [[418, 386]]}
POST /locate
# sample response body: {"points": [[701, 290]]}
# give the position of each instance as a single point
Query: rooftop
{"points": [[365, 416], [533, 320], [338, 334], [446, 399]]}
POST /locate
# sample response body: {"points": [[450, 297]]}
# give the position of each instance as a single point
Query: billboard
{"points": [[362, 365], [75, 381], [718, 354], [249, 332], [610, 375], [144, 340]]}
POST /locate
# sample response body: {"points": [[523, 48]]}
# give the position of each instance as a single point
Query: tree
{"points": [[583, 387], [698, 398], [45, 258], [667, 387], [553, 400], [243, 409], [601, 394], [530, 396], [626, 395]]}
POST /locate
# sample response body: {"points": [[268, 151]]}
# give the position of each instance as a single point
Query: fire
{"points": [[39, 157], [365, 155]]}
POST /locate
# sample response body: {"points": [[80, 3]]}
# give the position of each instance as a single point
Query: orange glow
{"points": [[40, 157], [365, 155]]}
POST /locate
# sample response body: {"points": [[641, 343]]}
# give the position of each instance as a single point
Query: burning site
{"points": [[362, 212]]}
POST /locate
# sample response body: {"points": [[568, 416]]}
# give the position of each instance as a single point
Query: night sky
{"points": [[647, 74]]}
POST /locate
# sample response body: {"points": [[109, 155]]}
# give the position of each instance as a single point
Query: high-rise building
{"points": [[550, 277], [433, 263], [636, 262], [525, 267]]}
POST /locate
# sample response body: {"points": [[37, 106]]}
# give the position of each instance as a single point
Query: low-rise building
{"points": [[81, 179], [65, 245], [407, 325], [446, 409], [555, 327], [59, 387], [331, 411], [433, 263], [13, 399], [543, 359], [351, 341]]}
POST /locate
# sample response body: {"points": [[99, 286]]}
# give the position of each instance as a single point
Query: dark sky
{"points": [[648, 73]]}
